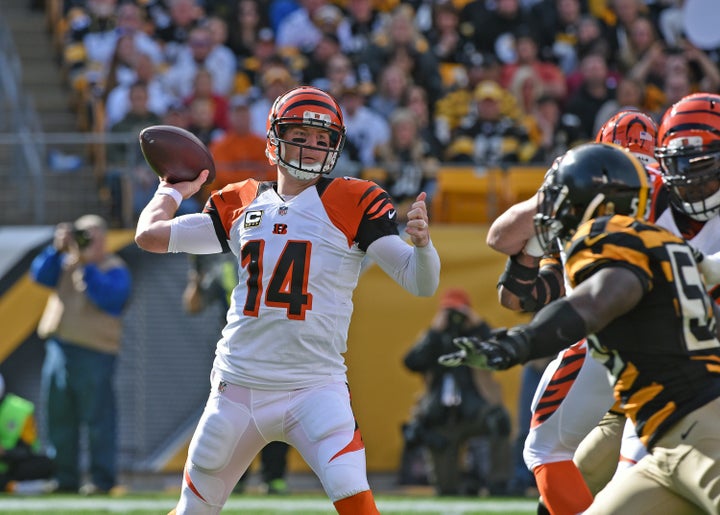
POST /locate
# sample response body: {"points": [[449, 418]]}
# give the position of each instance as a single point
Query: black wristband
{"points": [[514, 273], [557, 326]]}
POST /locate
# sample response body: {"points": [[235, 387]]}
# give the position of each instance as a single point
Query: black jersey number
{"points": [[695, 304], [288, 285]]}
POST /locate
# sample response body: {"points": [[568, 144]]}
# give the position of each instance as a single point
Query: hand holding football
{"points": [[175, 154]]}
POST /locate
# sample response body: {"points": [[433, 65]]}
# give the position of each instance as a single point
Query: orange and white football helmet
{"points": [[634, 130], [306, 106], [689, 154]]}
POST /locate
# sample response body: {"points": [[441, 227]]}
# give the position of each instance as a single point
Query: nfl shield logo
{"points": [[283, 210]]}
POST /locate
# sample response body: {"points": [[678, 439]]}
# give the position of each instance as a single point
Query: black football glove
{"points": [[502, 350]]}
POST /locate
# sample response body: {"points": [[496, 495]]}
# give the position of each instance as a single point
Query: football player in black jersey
{"points": [[641, 301]]}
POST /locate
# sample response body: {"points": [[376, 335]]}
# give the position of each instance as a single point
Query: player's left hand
{"points": [[503, 350], [417, 225]]}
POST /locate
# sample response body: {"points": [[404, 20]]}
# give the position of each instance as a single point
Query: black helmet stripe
{"points": [[692, 126], [321, 102]]}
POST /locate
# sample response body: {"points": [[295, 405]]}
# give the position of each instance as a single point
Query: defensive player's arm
{"points": [[153, 228], [597, 301]]}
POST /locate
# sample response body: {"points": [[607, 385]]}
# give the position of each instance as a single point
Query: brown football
{"points": [[175, 154]]}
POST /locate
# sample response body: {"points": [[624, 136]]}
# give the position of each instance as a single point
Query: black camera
{"points": [[82, 237], [456, 322]]}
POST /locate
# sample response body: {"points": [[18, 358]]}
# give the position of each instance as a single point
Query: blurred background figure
{"points": [[24, 467], [82, 323], [239, 154], [458, 406]]}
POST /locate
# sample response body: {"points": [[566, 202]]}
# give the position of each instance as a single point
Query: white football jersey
{"points": [[298, 261]]}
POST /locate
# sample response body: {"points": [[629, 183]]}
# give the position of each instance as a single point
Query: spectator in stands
{"points": [[365, 20], [366, 128], [488, 136], [239, 154], [458, 405], [124, 157], [249, 20], [416, 99], [119, 99], [641, 38], [203, 88], [24, 467], [408, 163], [201, 52], [400, 44], [338, 75], [626, 14], [558, 132], [661, 64], [275, 79], [250, 68], [174, 20], [495, 32], [549, 75], [559, 24], [318, 60], [448, 44], [82, 322], [392, 84], [596, 88], [88, 26], [455, 105], [202, 120], [302, 29]]}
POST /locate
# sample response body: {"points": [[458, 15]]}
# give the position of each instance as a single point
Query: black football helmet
{"points": [[588, 181], [688, 149]]}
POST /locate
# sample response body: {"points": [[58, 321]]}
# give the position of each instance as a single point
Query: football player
{"points": [[279, 372], [639, 300], [688, 149], [574, 393]]}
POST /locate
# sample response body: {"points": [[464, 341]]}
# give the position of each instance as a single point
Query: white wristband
{"points": [[167, 190]]}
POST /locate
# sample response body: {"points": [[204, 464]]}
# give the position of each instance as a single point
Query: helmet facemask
{"points": [[297, 167], [693, 180], [590, 181], [305, 107]]}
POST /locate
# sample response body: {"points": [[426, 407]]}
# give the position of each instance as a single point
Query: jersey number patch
{"points": [[287, 287]]}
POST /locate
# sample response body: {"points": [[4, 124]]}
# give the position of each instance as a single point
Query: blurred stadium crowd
{"points": [[422, 82]]}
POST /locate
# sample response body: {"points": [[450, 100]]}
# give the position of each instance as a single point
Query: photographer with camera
{"points": [[82, 324], [458, 405]]}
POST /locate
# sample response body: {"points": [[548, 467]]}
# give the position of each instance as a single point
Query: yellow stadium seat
{"points": [[520, 183], [466, 195]]}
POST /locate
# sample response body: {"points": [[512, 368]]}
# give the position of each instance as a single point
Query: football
{"points": [[175, 154]]}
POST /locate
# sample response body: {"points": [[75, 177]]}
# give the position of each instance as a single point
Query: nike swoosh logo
{"points": [[391, 214], [592, 241], [684, 434]]}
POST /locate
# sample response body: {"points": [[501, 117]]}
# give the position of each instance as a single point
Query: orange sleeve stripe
{"points": [[231, 201], [347, 200]]}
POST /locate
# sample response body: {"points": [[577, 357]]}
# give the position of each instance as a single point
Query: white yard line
{"points": [[278, 505]]}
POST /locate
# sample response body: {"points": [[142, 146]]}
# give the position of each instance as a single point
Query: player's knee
{"points": [[344, 479]]}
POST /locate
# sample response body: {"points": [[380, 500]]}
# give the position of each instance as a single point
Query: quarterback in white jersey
{"points": [[279, 372]]}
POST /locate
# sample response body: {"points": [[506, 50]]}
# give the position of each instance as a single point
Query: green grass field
{"points": [[260, 505]]}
